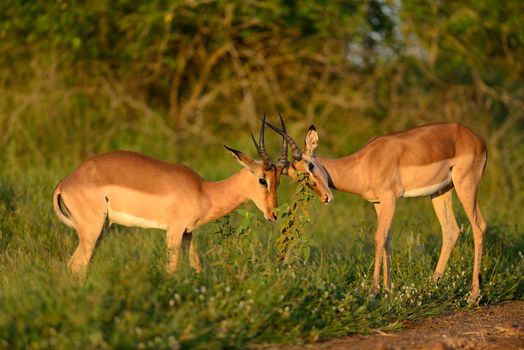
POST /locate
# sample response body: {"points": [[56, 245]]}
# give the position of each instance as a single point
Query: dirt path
{"points": [[493, 327]]}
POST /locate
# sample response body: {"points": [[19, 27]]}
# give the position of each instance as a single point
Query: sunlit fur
{"points": [[131, 189], [429, 160]]}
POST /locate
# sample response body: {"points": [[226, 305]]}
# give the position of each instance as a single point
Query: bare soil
{"points": [[491, 327]]}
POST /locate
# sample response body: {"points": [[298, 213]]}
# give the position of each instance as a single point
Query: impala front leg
{"points": [[174, 238], [194, 261], [386, 257], [385, 210]]}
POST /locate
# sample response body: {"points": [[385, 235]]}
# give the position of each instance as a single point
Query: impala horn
{"points": [[282, 161], [294, 148], [261, 149]]}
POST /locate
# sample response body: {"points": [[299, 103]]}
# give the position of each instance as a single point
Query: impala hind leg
{"points": [[442, 204], [466, 185], [385, 211], [480, 220], [89, 224]]}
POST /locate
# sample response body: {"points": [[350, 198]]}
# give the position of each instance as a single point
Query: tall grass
{"points": [[245, 295]]}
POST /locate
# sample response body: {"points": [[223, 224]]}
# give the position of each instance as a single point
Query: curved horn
{"points": [[297, 155], [282, 161], [261, 149]]}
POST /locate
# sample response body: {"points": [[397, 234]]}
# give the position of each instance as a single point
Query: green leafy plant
{"points": [[226, 228], [293, 217]]}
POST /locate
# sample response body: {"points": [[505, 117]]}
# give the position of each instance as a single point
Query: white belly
{"points": [[428, 190], [131, 220]]}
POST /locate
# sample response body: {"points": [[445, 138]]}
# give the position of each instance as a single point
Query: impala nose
{"points": [[271, 217], [328, 198]]}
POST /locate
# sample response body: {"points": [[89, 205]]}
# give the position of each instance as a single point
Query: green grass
{"points": [[245, 295]]}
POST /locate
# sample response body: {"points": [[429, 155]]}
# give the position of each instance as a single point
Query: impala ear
{"points": [[311, 141], [241, 157]]}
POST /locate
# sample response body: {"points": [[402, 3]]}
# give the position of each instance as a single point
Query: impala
{"points": [[132, 189], [429, 160]]}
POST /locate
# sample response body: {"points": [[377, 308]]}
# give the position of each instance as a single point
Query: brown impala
{"points": [[429, 160], [131, 189]]}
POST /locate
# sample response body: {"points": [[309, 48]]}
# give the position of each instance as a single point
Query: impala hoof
{"points": [[171, 269], [473, 299], [436, 278], [373, 294]]}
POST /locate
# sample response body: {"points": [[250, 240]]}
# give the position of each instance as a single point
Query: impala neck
{"points": [[225, 195], [344, 173]]}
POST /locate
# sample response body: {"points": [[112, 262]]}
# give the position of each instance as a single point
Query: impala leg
{"points": [[194, 261], [82, 255], [174, 238], [88, 235], [442, 204], [466, 187], [480, 220], [386, 253], [89, 225], [385, 217]]}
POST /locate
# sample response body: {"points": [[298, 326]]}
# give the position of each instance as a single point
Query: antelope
{"points": [[429, 160], [131, 189]]}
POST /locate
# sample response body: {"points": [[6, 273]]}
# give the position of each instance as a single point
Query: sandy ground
{"points": [[492, 327]]}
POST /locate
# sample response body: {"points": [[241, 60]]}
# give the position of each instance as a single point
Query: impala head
{"points": [[262, 177], [306, 162]]}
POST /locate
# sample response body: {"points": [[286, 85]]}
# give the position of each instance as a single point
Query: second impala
{"points": [[429, 160], [131, 189]]}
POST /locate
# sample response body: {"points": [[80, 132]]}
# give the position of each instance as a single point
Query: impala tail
{"points": [[61, 209]]}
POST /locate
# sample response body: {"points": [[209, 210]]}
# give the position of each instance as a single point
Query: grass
{"points": [[245, 295]]}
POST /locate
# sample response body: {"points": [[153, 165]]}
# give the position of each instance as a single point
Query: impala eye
{"points": [[263, 182], [311, 166]]}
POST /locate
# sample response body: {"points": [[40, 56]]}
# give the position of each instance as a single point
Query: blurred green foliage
{"points": [[196, 63]]}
